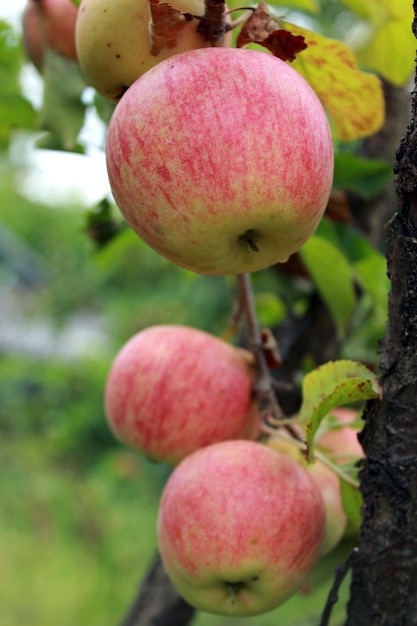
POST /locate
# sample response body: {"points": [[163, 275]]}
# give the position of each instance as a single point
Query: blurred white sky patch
{"points": [[51, 177]]}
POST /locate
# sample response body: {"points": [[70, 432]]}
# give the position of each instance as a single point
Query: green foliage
{"points": [[73, 545], [58, 401], [62, 95], [15, 110], [330, 271], [366, 177]]}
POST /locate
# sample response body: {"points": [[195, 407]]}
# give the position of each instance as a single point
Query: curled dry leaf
{"points": [[165, 25], [270, 349], [262, 28]]}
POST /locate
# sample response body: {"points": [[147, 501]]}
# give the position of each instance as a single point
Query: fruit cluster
{"points": [[221, 160], [241, 523]]}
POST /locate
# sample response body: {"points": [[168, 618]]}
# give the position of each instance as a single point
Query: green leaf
{"points": [[333, 384], [366, 177], [384, 41], [352, 503], [270, 308], [62, 111], [369, 265], [15, 111], [333, 277]]}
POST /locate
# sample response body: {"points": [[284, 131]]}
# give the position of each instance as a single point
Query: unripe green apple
{"points": [[49, 24], [239, 528], [221, 160], [173, 389], [114, 46], [328, 483]]}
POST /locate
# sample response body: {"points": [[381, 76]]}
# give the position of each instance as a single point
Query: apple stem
{"points": [[264, 387], [213, 25]]}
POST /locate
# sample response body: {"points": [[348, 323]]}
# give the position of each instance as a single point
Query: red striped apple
{"points": [[239, 528], [221, 159], [173, 389], [49, 24], [114, 46]]}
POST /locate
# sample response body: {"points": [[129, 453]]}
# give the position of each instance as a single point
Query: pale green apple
{"points": [[114, 46], [221, 160], [239, 528]]}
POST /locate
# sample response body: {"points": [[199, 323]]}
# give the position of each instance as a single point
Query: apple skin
{"points": [[239, 528], [221, 160], [49, 24], [113, 41], [342, 442], [329, 486], [173, 389]]}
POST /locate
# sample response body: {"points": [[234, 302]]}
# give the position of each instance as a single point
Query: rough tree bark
{"points": [[384, 573]]}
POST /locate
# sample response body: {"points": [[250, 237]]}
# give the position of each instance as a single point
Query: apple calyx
{"points": [[249, 240], [234, 588]]}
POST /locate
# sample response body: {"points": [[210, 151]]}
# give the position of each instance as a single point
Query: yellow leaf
{"points": [[372, 10], [354, 99], [388, 47], [311, 6], [377, 11]]}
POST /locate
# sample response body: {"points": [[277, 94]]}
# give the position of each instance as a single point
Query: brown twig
{"points": [[213, 25], [264, 389], [333, 597]]}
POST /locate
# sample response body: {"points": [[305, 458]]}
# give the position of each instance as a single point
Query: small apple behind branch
{"points": [[329, 486]]}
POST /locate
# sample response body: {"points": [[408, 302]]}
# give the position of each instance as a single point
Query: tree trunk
{"points": [[384, 574]]}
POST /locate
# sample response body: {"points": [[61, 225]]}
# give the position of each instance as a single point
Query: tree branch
{"points": [[157, 602]]}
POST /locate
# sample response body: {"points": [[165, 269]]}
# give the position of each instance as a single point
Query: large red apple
{"points": [[239, 527], [221, 159], [49, 24], [173, 389], [114, 46]]}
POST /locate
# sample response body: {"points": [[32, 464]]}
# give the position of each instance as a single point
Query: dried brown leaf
{"points": [[262, 28], [165, 25]]}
